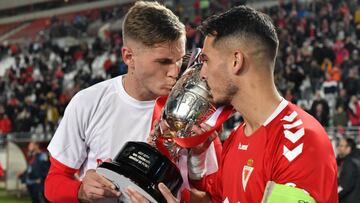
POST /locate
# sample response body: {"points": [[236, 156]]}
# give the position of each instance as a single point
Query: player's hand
{"points": [[198, 130], [136, 197], [199, 196], [94, 186]]}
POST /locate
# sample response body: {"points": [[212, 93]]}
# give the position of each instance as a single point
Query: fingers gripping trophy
{"points": [[141, 165]]}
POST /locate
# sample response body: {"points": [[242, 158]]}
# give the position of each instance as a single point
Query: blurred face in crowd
{"points": [[33, 147], [216, 70], [154, 68], [343, 148], [353, 98], [319, 108]]}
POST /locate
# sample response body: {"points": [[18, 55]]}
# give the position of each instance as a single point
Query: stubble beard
{"points": [[227, 96]]}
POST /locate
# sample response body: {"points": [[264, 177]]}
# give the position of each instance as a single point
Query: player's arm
{"points": [[62, 186], [309, 163], [197, 168], [275, 193]]}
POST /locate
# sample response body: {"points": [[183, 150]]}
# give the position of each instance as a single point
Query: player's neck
{"points": [[134, 89], [259, 104]]}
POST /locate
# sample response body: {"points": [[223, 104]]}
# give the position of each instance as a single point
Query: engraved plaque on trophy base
{"points": [[142, 167]]}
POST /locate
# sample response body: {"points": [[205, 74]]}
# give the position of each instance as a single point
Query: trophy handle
{"points": [[157, 133], [194, 57], [189, 59]]}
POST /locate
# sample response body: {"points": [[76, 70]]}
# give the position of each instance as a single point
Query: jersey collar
{"points": [[277, 111]]}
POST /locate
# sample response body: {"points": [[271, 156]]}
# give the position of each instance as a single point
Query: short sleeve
{"points": [[314, 168], [68, 144]]}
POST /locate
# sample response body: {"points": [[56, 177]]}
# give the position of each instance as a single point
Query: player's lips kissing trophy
{"points": [[141, 165]]}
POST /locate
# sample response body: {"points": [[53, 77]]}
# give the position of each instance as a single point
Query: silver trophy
{"points": [[187, 105]]}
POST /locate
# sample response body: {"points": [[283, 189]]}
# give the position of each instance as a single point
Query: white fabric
{"points": [[203, 165], [197, 166], [98, 121]]}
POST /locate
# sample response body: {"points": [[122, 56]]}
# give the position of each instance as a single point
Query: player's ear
{"points": [[237, 62], [128, 56]]}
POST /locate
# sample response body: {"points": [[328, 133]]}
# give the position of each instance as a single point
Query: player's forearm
{"points": [[199, 179], [275, 193], [60, 185]]}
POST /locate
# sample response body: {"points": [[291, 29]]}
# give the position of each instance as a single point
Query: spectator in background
{"points": [[52, 116], [5, 122], [329, 89], [320, 109], [354, 111], [342, 99], [340, 119], [34, 176], [349, 171], [316, 75], [320, 114], [352, 84]]}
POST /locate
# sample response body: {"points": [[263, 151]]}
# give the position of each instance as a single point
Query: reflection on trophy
{"points": [[188, 104], [142, 166]]}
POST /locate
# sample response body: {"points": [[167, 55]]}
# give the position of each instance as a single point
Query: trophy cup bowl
{"points": [[141, 165], [187, 104]]}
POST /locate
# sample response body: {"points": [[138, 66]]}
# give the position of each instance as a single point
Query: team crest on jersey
{"points": [[246, 172]]}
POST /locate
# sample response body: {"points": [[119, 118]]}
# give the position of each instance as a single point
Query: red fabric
{"points": [[59, 73], [209, 185], [13, 49], [249, 162], [5, 125], [78, 55], [354, 114], [281, 23], [312, 32], [340, 55], [13, 101], [190, 142], [107, 64], [1, 171], [60, 184], [185, 196], [190, 32]]}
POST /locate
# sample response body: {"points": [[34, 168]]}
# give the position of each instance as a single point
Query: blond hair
{"points": [[151, 23]]}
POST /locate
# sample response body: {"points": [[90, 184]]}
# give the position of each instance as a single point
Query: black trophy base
{"points": [[142, 167], [122, 183]]}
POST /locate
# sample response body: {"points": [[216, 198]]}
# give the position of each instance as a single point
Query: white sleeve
{"points": [[211, 160], [202, 164], [68, 145]]}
